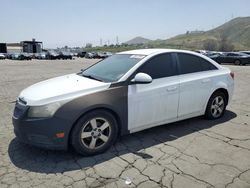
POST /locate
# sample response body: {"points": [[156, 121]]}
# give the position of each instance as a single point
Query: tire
{"points": [[94, 133], [216, 105], [237, 62]]}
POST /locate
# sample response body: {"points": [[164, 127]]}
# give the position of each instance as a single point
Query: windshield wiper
{"points": [[92, 77]]}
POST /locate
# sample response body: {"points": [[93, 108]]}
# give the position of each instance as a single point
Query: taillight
{"points": [[232, 75]]}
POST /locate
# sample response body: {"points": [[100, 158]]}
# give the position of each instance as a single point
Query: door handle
{"points": [[205, 81], [172, 88]]}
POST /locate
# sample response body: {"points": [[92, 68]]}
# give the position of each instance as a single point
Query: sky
{"points": [[76, 22]]}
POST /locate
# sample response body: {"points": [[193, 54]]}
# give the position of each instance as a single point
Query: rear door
{"points": [[230, 58], [195, 83], [156, 102]]}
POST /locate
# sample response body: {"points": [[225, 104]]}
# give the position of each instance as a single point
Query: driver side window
{"points": [[159, 66]]}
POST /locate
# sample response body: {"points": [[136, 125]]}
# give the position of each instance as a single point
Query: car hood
{"points": [[61, 88]]}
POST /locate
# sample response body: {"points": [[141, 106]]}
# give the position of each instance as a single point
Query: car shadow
{"points": [[46, 161]]}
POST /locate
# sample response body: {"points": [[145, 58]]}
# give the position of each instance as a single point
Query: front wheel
{"points": [[94, 133], [216, 106]]}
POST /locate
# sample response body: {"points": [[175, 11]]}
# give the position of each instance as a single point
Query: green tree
{"points": [[211, 45], [88, 45], [225, 45]]}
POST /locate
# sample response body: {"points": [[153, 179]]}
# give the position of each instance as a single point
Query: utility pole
{"points": [[100, 41], [117, 40]]}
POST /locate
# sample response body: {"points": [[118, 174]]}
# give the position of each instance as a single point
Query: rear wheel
{"points": [[94, 133], [216, 105], [237, 62]]}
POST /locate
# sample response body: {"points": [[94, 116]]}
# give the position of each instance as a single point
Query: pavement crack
{"points": [[227, 142], [238, 176], [197, 179]]}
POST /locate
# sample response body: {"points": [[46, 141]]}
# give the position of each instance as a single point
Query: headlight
{"points": [[45, 110]]}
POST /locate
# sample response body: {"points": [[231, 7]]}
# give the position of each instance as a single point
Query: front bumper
{"points": [[40, 132]]}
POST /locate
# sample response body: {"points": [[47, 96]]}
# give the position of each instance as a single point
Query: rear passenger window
{"points": [[190, 64], [159, 66]]}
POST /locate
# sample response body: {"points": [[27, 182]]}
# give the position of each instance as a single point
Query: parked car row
{"points": [[94, 55], [236, 58], [19, 56], [53, 54], [43, 55]]}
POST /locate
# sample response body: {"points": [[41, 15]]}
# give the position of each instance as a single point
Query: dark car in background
{"points": [[25, 56], [14, 56], [237, 58], [100, 55], [81, 54], [89, 55], [41, 55], [246, 52], [52, 55], [20, 56], [65, 55], [8, 55], [95, 55]]}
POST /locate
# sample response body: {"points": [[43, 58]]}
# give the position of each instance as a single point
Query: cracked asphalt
{"points": [[191, 153]]}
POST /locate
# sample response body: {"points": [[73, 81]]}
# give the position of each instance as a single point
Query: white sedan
{"points": [[125, 93]]}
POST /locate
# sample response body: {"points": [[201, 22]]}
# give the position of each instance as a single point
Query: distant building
{"points": [[32, 46], [14, 48], [24, 46], [3, 48], [196, 32]]}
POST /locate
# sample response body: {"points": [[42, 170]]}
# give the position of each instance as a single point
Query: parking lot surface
{"points": [[191, 153]]}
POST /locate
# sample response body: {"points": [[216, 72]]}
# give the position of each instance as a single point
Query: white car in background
{"points": [[125, 93], [2, 56]]}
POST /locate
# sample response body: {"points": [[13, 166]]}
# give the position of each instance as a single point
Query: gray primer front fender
{"points": [[114, 99]]}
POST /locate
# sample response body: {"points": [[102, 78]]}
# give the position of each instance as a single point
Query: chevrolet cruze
{"points": [[125, 93]]}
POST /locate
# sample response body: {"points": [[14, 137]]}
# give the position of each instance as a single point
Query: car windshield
{"points": [[113, 68]]}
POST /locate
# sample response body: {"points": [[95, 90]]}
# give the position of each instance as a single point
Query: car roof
{"points": [[152, 51]]}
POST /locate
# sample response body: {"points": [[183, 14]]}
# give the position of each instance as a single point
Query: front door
{"points": [[154, 103]]}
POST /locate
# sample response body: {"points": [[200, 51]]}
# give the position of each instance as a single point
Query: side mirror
{"points": [[141, 78]]}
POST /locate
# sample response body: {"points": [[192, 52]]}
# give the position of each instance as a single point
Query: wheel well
{"points": [[102, 108], [223, 91]]}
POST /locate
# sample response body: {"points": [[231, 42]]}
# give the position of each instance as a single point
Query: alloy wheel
{"points": [[95, 133], [217, 106]]}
